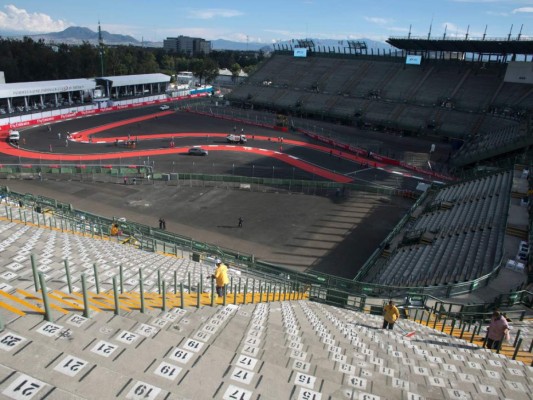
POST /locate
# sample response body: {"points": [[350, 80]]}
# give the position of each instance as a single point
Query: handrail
{"points": [[150, 236]]}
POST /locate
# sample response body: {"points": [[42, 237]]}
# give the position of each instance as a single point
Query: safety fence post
{"points": [[462, 331], [517, 348], [212, 292], [253, 291], [164, 298], [115, 296], [141, 289], [46, 303], [86, 310], [198, 295], [182, 305], [225, 287], [518, 333], [67, 273], [34, 271], [121, 276], [96, 281], [453, 327]]}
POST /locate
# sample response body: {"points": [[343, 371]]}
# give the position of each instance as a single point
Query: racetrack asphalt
{"points": [[322, 232]]}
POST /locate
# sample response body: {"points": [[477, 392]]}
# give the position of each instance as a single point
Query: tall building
{"points": [[188, 45]]}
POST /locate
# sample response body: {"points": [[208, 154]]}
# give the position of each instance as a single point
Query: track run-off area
{"points": [[90, 137]]}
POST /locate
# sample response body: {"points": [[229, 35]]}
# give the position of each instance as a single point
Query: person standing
{"points": [[497, 331], [221, 277], [390, 315], [241, 220]]}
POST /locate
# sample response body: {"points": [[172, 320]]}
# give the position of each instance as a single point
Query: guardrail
{"points": [[80, 171], [153, 239]]}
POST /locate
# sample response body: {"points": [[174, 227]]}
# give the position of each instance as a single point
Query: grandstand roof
{"points": [[20, 89], [144, 79], [491, 46]]}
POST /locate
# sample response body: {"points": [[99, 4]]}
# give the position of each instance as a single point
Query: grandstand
{"points": [[443, 97], [364, 83], [94, 313], [469, 218], [263, 340]]}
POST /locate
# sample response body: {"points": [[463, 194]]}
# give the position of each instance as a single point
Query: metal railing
{"points": [[152, 239]]}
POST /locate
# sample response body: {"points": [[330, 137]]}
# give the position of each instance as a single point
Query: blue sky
{"points": [[273, 20]]}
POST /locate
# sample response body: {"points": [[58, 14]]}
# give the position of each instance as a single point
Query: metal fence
{"points": [[158, 240]]}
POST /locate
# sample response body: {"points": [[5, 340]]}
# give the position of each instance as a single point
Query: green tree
{"points": [[29, 60], [168, 63], [235, 70], [210, 68], [183, 64], [196, 66], [148, 63]]}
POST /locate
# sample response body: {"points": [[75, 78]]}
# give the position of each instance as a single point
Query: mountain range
{"points": [[78, 35]]}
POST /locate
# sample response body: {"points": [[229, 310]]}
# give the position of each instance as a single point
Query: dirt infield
{"points": [[326, 233], [329, 233]]}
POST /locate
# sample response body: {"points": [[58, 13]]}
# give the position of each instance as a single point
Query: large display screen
{"points": [[300, 52], [413, 60], [519, 72]]}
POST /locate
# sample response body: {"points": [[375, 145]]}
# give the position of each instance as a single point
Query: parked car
{"points": [[164, 107], [198, 151]]}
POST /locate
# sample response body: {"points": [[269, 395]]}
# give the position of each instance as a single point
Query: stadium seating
{"points": [[458, 238], [494, 142], [445, 98], [280, 350], [274, 349]]}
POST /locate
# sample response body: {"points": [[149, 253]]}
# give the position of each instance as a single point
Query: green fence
{"points": [[152, 239], [75, 171]]}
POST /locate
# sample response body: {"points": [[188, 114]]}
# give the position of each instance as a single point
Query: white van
{"points": [[14, 136]]}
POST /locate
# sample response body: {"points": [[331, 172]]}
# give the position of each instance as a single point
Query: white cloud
{"points": [[451, 27], [210, 13], [398, 29], [523, 10], [18, 19], [206, 33], [285, 33], [498, 14], [378, 20]]}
